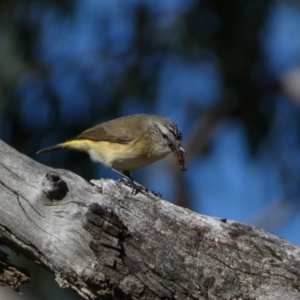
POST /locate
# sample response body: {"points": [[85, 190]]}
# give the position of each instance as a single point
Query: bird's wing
{"points": [[111, 131]]}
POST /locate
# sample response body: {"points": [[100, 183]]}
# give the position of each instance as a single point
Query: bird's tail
{"points": [[52, 148], [79, 145]]}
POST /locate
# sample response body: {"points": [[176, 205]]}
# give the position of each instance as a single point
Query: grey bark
{"points": [[11, 275], [106, 243]]}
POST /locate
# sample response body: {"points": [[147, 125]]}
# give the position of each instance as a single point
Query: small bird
{"points": [[128, 143]]}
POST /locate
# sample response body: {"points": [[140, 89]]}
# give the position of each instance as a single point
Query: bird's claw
{"points": [[129, 182]]}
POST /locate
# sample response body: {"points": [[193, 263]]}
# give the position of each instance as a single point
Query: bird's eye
{"points": [[164, 135]]}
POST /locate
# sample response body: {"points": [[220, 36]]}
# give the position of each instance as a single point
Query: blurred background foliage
{"points": [[227, 72]]}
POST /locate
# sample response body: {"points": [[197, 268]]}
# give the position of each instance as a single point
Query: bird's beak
{"points": [[179, 153]]}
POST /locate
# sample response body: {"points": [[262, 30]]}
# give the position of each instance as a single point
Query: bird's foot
{"points": [[136, 188]]}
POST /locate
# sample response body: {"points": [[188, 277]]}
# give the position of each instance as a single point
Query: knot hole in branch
{"points": [[54, 187]]}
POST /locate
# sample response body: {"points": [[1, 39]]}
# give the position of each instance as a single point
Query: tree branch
{"points": [[10, 275], [108, 244]]}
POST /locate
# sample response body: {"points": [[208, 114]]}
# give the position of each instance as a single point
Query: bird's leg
{"points": [[135, 189], [121, 174], [128, 179]]}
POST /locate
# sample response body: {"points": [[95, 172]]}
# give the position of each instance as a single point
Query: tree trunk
{"points": [[106, 243]]}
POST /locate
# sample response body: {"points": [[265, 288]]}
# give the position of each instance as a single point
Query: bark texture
{"points": [[106, 243], [10, 275]]}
